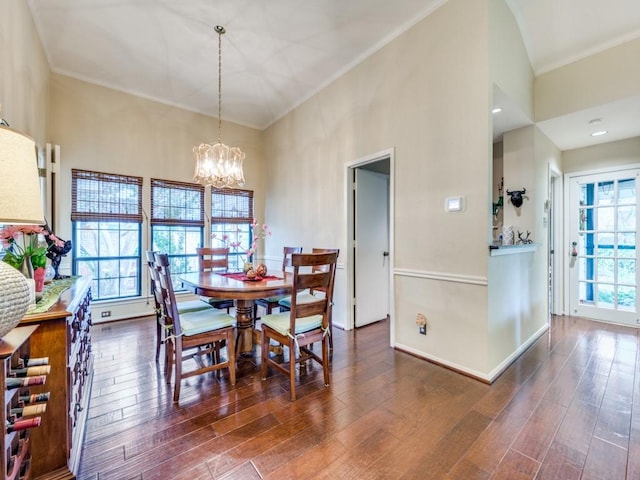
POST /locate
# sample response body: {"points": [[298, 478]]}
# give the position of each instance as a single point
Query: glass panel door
{"points": [[603, 234]]}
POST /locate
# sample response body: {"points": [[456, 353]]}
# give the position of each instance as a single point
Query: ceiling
{"points": [[277, 54]]}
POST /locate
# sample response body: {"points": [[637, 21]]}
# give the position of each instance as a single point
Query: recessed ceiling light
{"points": [[598, 133], [496, 110], [594, 121]]}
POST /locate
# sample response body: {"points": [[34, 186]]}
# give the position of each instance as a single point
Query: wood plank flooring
{"points": [[568, 408]]}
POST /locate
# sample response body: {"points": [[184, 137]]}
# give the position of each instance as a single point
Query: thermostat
{"points": [[454, 204]]}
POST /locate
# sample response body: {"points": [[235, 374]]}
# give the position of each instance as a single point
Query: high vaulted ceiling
{"points": [[278, 53]]}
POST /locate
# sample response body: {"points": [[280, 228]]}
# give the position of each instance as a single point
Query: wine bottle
{"points": [[13, 382], [33, 362], [23, 424], [35, 398], [29, 410], [30, 371]]}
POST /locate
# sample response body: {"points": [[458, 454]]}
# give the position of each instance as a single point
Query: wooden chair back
{"points": [[166, 296], [273, 302], [320, 278], [320, 267], [209, 331], [286, 258], [154, 284], [308, 320], [213, 259]]}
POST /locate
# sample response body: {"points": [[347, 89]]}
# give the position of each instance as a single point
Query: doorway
{"points": [[370, 250], [555, 252], [603, 234]]}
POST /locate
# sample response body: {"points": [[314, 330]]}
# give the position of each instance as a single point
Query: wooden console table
{"points": [[64, 335]]}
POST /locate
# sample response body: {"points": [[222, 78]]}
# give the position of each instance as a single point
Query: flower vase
{"points": [[38, 276], [26, 268]]}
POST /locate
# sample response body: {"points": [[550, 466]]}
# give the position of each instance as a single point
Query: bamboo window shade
{"points": [[177, 203], [97, 196], [231, 206]]}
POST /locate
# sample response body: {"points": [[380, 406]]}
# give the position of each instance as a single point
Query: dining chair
{"points": [[306, 323], [270, 303], [214, 259], [205, 330], [183, 306], [311, 294]]}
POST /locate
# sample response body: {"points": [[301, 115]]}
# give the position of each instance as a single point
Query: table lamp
{"points": [[20, 203]]}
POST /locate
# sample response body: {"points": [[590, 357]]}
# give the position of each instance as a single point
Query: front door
{"points": [[603, 234]]}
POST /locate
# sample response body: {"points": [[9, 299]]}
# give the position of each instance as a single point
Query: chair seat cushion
{"points": [[280, 323], [274, 299], [192, 306], [302, 297], [214, 301], [194, 323]]}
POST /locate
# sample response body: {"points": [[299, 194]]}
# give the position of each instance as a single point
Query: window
{"points": [[106, 215], [231, 217], [177, 224]]}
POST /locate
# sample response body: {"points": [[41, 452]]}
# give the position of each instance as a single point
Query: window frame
{"points": [[232, 210], [164, 216], [93, 203]]}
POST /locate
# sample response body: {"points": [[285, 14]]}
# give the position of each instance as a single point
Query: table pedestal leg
{"points": [[244, 324]]}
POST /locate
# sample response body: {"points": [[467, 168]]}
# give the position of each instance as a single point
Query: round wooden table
{"points": [[231, 286]]}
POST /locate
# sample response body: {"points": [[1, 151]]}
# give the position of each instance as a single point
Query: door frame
{"points": [[566, 250], [557, 243], [350, 218]]}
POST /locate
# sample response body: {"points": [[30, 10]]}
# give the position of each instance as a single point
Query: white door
{"points": [[603, 234], [372, 247]]}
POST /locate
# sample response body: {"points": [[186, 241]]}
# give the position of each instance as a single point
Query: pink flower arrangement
{"points": [[23, 241], [225, 240], [258, 233]]}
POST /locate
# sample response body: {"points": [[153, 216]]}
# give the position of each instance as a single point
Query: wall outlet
{"points": [[421, 321], [105, 313]]}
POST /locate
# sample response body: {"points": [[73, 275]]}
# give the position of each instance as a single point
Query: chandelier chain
{"points": [[219, 165], [220, 32]]}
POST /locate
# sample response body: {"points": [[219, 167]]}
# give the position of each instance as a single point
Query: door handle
{"points": [[385, 254]]}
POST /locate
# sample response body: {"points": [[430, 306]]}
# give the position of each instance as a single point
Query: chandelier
{"points": [[219, 165]]}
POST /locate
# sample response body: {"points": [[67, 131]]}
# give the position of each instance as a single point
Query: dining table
{"points": [[244, 291]]}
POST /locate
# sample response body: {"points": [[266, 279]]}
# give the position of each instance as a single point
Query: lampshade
{"points": [[20, 200], [20, 203]]}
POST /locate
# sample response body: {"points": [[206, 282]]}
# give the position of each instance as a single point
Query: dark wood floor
{"points": [[569, 408]]}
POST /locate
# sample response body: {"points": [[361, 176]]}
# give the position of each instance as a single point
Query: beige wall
{"points": [[24, 72], [596, 80], [421, 95], [606, 155], [510, 67], [427, 95], [105, 130], [515, 319]]}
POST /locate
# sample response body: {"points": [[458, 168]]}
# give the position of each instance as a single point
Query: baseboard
{"points": [[482, 377]]}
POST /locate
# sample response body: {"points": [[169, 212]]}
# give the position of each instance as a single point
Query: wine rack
{"points": [[22, 411], [64, 336]]}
